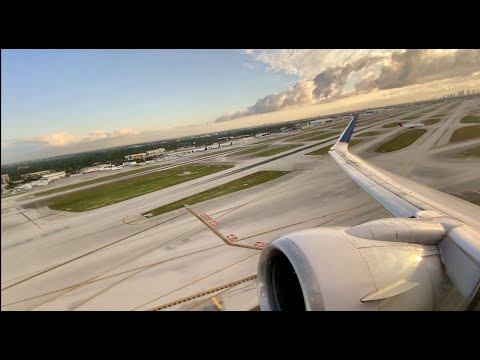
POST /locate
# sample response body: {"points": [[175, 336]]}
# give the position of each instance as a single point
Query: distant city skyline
{"points": [[56, 102]]}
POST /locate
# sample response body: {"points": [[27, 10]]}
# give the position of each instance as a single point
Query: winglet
{"points": [[347, 133]]}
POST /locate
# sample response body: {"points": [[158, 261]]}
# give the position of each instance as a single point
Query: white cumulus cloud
{"points": [[327, 75]]}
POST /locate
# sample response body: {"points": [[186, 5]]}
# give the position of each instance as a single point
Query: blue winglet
{"points": [[347, 133]]}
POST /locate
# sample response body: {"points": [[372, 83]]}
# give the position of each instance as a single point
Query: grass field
{"points": [[401, 141], [103, 195], [276, 150], [390, 125], [471, 119], [370, 133], [324, 150], [474, 151], [215, 152], [465, 133], [323, 136], [276, 138], [411, 117], [96, 181], [431, 121], [354, 142], [321, 151], [369, 122], [306, 135], [339, 126], [252, 150], [245, 182]]}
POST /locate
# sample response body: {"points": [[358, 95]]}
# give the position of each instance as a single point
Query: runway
{"points": [[104, 260]]}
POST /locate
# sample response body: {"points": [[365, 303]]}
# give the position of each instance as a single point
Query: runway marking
{"points": [[78, 257], [195, 281], [232, 237], [94, 280], [203, 293], [216, 302], [104, 247], [28, 219]]}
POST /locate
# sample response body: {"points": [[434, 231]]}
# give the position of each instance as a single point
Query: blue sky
{"points": [[63, 101], [77, 90]]}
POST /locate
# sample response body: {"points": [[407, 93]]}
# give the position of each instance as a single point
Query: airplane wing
{"points": [[400, 196], [426, 259]]}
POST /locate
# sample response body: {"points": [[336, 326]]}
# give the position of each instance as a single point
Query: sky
{"points": [[57, 102]]}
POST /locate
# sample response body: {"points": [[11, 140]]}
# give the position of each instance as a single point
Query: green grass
{"points": [[107, 194], [276, 139], [323, 136], [354, 142], [474, 151], [334, 126], [465, 133], [431, 121], [252, 150], [390, 125], [411, 117], [215, 152], [324, 150], [470, 119], [401, 141], [306, 135], [276, 150], [370, 133], [339, 126], [96, 181], [321, 151], [246, 182]]}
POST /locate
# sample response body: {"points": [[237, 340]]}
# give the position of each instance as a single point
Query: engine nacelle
{"points": [[330, 269]]}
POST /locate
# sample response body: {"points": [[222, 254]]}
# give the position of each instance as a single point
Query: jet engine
{"points": [[389, 264]]}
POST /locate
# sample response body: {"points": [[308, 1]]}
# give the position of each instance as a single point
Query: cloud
{"points": [[62, 139], [422, 66], [248, 65], [328, 75], [58, 143], [57, 139], [102, 134], [307, 63], [332, 80], [300, 94]]}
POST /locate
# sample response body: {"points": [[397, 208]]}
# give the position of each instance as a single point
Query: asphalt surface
{"points": [[113, 258]]}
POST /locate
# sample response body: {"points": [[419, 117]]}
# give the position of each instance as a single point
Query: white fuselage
{"points": [[411, 125]]}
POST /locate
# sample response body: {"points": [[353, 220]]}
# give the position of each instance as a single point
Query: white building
{"points": [[24, 187], [320, 121], [136, 156], [155, 152], [243, 140], [53, 176], [130, 163], [213, 146], [88, 169], [40, 182], [5, 179]]}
